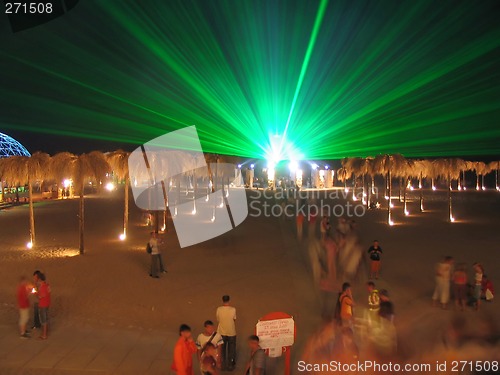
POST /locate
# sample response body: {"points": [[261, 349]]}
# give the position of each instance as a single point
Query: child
{"points": [[478, 279], [487, 291]]}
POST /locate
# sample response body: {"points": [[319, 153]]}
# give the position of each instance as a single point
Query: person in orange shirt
{"points": [[183, 352], [346, 306]]}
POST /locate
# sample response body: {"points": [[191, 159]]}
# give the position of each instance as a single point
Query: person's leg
{"points": [[232, 352], [224, 356], [445, 296], [154, 265], [162, 268], [44, 320], [24, 316], [437, 292], [36, 316]]}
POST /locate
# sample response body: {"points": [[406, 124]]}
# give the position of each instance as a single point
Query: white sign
{"points": [[276, 333]]}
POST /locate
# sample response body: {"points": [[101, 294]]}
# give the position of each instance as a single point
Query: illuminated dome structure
{"points": [[10, 147]]}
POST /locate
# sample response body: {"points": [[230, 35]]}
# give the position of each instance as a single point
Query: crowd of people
{"points": [[453, 282], [215, 348]]}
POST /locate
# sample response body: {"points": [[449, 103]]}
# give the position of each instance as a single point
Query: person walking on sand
{"points": [[375, 252], [257, 362], [183, 352], [443, 277], [478, 279], [460, 286], [156, 261], [43, 295], [226, 317], [23, 304]]}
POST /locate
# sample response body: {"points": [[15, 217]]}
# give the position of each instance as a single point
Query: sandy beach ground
{"points": [[260, 264]]}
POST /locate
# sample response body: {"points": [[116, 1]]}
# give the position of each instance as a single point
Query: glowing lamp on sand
{"points": [[67, 183], [110, 186], [407, 212], [452, 219], [433, 188], [29, 245], [122, 237]]}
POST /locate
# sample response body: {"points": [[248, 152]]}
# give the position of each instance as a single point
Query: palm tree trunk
{"points": [[404, 198], [81, 220], [389, 200], [421, 193], [450, 214], [353, 187], [482, 182], [400, 187], [32, 214], [125, 209]]}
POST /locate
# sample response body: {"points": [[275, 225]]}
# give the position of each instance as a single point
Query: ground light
{"points": [[110, 186], [122, 237], [29, 245]]}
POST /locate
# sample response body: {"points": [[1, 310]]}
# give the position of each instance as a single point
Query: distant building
{"points": [[10, 147]]}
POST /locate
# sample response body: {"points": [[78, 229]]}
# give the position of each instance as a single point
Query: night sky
{"points": [[332, 78]]}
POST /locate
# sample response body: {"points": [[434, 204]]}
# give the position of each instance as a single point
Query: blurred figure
{"points": [[487, 291], [478, 279], [257, 363], [23, 304], [460, 286], [346, 306], [209, 362], [386, 309], [443, 276], [328, 282], [325, 226], [300, 225], [183, 352], [345, 349], [156, 261], [373, 303]]}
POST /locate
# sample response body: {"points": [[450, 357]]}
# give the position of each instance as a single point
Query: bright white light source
{"points": [[252, 166], [484, 188], [122, 237], [391, 223], [326, 167], [412, 188], [433, 188], [239, 166], [346, 190], [315, 166], [67, 183], [29, 245], [293, 165], [452, 219], [459, 188], [392, 205], [407, 212], [110, 186]]}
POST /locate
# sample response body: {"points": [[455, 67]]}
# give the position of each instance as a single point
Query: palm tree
{"points": [[118, 162], [81, 168], [20, 170], [495, 166], [449, 169], [480, 168], [423, 169]]}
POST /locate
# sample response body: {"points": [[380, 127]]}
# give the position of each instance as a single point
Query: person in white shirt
{"points": [[156, 261], [212, 336], [226, 317]]}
